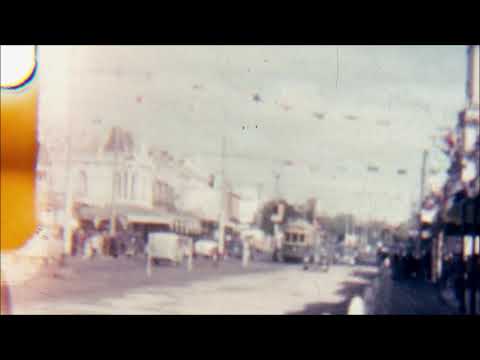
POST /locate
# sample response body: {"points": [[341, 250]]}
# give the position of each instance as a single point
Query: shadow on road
{"points": [[348, 289]]}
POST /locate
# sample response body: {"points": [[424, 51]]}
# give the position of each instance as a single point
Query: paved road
{"points": [[120, 286]]}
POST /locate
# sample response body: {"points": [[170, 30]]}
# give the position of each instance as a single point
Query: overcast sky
{"points": [[380, 106]]}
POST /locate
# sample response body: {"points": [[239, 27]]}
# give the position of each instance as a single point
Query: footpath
{"points": [[405, 297]]}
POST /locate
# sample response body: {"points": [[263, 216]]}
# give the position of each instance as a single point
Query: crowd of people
{"points": [[459, 273], [405, 262], [88, 242]]}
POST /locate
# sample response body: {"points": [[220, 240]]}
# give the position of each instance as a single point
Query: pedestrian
{"points": [[410, 265], [189, 254], [246, 253], [473, 280], [216, 257], [427, 265], [396, 266], [94, 245], [80, 237], [459, 282], [131, 246]]}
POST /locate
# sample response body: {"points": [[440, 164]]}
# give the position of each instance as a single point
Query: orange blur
{"points": [[19, 147]]}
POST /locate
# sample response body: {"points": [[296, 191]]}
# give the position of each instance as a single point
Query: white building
{"points": [[249, 205], [112, 171], [148, 188]]}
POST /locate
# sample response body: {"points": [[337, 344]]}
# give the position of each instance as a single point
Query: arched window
{"points": [[144, 188], [133, 187], [125, 185], [81, 188], [117, 185]]}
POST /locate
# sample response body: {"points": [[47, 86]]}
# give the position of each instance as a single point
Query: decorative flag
{"points": [[256, 97]]}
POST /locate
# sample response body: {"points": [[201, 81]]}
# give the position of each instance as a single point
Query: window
{"points": [[125, 185], [144, 188], [117, 185], [133, 189], [159, 197], [170, 197], [81, 188]]}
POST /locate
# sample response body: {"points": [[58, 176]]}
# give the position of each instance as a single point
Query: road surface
{"points": [[120, 286]]}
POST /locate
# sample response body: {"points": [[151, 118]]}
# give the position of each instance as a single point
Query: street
{"points": [[120, 286], [192, 153]]}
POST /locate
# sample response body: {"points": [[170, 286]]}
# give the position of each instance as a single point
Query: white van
{"points": [[168, 246]]}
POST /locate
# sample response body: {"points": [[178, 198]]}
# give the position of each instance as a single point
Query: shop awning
{"points": [[182, 222], [146, 217], [91, 212], [128, 214], [188, 223]]}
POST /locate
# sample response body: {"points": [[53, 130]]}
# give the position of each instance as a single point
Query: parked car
{"points": [[350, 257], [257, 239], [206, 247], [317, 257], [235, 248]]}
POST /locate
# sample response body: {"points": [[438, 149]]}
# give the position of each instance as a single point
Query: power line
{"points": [[313, 167]]}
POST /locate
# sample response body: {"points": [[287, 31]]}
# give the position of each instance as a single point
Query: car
{"points": [[206, 247], [234, 248], [348, 257], [317, 257]]}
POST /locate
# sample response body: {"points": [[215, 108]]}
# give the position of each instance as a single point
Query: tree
{"points": [[265, 218], [270, 208]]}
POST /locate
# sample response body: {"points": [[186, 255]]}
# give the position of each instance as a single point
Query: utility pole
{"points": [[422, 177], [68, 232], [68, 218], [259, 192], [221, 239], [115, 185], [277, 186], [422, 191]]}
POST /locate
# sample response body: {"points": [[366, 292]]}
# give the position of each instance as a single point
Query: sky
{"points": [[375, 105]]}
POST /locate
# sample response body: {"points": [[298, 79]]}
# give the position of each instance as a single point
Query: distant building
{"points": [[233, 206], [113, 171], [148, 188], [249, 206]]}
